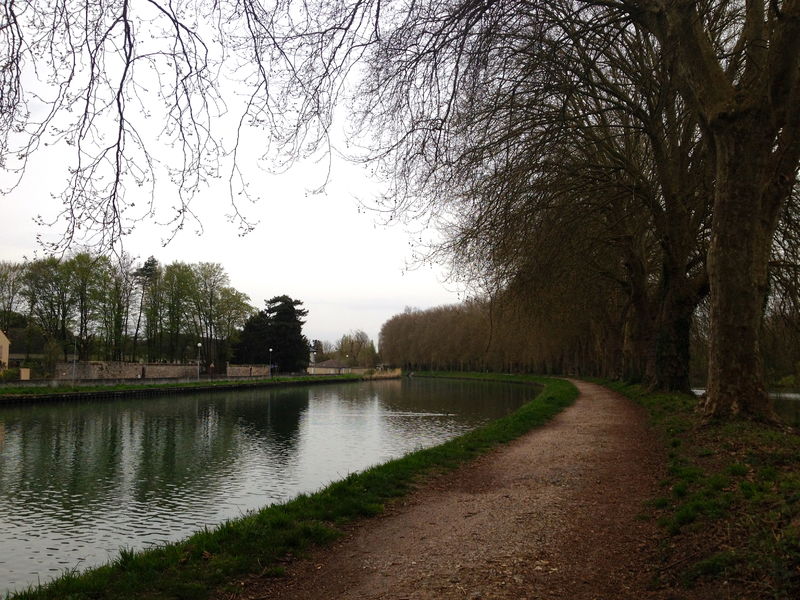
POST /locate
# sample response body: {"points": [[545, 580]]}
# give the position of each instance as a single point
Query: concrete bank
{"points": [[140, 390]]}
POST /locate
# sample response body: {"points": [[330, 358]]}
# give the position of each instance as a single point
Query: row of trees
{"points": [[599, 168], [636, 152], [100, 309], [577, 338], [117, 310]]}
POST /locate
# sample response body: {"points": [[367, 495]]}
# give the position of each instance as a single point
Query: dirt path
{"points": [[551, 515]]}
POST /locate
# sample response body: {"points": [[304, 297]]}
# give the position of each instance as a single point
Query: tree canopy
{"points": [[108, 310], [663, 135]]}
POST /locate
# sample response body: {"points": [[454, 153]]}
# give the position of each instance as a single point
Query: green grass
{"points": [[730, 504], [257, 543]]}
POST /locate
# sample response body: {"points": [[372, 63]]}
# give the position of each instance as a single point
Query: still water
{"points": [[78, 481], [787, 404]]}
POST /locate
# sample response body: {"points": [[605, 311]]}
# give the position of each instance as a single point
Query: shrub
{"points": [[9, 375]]}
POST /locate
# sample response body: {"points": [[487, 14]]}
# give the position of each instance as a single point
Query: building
{"points": [[5, 350], [329, 367]]}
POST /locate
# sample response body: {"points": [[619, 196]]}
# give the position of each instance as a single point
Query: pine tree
{"points": [[276, 333]]}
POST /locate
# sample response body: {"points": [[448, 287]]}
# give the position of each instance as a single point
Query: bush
{"points": [[9, 375]]}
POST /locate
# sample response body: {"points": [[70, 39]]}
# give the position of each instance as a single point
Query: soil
{"points": [[554, 514]]}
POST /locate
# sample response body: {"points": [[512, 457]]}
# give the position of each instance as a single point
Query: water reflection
{"points": [[787, 404], [80, 480]]}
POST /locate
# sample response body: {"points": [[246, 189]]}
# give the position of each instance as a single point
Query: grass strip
{"points": [[730, 507], [257, 543]]}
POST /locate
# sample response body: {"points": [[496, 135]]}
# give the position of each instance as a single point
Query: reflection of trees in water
{"points": [[71, 455], [79, 452], [272, 417], [405, 414], [60, 451], [452, 396]]}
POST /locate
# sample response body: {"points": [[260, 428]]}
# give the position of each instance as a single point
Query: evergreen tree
{"points": [[279, 327]]}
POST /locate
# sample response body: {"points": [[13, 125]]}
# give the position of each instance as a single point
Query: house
{"points": [[329, 367], [5, 347]]}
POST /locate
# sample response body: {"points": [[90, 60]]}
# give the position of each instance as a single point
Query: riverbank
{"points": [[728, 507], [63, 393], [261, 542], [553, 514], [623, 497]]}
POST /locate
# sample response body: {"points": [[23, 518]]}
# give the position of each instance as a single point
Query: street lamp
{"points": [[270, 362], [199, 345]]}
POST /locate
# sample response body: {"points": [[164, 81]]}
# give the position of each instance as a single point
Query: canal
{"points": [[79, 481]]}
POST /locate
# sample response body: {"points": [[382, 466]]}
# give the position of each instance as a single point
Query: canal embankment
{"points": [[45, 391], [262, 542], [625, 494], [619, 500]]}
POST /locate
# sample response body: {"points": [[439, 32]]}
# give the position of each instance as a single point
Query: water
{"points": [[787, 404], [78, 481]]}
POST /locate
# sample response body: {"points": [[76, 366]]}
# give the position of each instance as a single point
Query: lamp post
{"points": [[270, 363], [199, 345]]}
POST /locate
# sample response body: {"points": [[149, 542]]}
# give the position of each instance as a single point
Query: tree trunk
{"points": [[672, 354], [678, 299], [744, 222]]}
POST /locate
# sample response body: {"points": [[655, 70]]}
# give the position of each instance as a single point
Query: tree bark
{"points": [[745, 217], [672, 353]]}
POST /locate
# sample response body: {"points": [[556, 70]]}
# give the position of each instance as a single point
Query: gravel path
{"points": [[551, 515]]}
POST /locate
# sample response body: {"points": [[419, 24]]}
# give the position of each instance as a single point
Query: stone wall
{"points": [[122, 370], [247, 371]]}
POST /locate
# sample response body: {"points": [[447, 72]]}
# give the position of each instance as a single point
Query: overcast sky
{"points": [[349, 270]]}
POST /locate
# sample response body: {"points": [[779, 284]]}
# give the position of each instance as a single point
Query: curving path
{"points": [[550, 515]]}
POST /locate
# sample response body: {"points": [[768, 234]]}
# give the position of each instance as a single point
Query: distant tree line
{"points": [[99, 309], [583, 334], [354, 349], [118, 310]]}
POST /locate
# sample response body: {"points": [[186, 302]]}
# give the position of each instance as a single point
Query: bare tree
{"points": [[426, 67]]}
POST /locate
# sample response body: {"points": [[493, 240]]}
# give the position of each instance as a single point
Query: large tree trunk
{"points": [[678, 300], [672, 345], [745, 216]]}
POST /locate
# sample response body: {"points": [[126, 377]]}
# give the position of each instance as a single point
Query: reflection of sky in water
{"points": [[78, 481], [787, 404]]}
